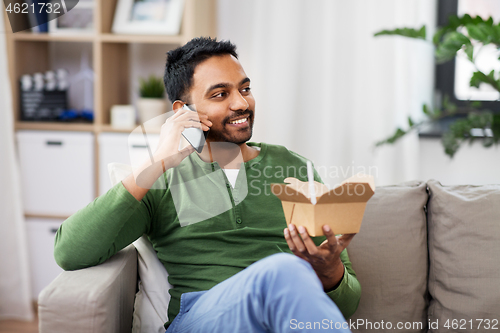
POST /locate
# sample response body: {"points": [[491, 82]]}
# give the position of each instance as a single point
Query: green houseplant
{"points": [[458, 38], [151, 103]]}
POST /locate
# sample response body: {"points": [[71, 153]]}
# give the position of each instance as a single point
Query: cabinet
{"points": [[56, 171], [43, 267], [112, 60]]}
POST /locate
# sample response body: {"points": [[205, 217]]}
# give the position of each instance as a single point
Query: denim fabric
{"points": [[280, 293]]}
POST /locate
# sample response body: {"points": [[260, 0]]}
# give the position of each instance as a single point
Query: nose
{"points": [[239, 102]]}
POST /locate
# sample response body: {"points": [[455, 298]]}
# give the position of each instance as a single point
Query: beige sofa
{"points": [[427, 257]]}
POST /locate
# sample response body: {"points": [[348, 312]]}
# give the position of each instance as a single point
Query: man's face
{"points": [[221, 90]]}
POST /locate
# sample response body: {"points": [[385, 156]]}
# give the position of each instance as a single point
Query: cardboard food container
{"points": [[341, 208]]}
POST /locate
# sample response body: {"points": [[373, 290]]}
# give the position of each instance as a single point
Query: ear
{"points": [[178, 104]]}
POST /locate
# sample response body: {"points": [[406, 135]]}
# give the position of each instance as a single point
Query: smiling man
{"points": [[237, 268]]}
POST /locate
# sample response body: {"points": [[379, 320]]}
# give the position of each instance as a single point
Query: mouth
{"points": [[240, 122]]}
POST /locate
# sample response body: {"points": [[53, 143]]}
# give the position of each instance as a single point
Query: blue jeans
{"points": [[280, 293]]}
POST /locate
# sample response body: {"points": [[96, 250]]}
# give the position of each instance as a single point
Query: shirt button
{"points": [[238, 220]]}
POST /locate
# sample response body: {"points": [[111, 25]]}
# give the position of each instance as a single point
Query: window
{"points": [[452, 78]]}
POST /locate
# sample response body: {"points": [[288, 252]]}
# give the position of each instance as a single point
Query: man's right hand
{"points": [[170, 136], [140, 181]]}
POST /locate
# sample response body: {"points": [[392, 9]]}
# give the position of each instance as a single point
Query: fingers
{"points": [[291, 243], [335, 242], [193, 117], [188, 124], [345, 239], [299, 241], [312, 249], [330, 237], [184, 114]]}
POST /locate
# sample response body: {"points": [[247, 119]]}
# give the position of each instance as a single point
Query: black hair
{"points": [[182, 61]]}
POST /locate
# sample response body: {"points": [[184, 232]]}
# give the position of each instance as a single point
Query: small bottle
{"points": [[26, 82], [62, 79], [38, 81], [50, 81]]}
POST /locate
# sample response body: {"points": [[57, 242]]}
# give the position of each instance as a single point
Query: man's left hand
{"points": [[325, 259]]}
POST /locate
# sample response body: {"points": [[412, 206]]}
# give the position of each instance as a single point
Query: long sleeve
{"points": [[102, 228], [348, 293]]}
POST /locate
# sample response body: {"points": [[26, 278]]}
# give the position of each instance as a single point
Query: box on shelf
{"points": [[42, 105]]}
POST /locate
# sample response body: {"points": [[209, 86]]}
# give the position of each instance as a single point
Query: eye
{"points": [[219, 94], [246, 90]]}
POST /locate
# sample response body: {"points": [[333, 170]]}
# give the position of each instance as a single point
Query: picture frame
{"points": [[148, 17], [78, 20]]}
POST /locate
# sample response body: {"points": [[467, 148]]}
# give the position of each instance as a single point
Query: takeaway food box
{"points": [[341, 208]]}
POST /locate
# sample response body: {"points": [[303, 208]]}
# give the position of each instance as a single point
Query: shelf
{"points": [[146, 39], [44, 37], [53, 126], [109, 128], [108, 38], [59, 217]]}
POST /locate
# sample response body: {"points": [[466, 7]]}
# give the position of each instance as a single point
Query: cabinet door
{"points": [[43, 267], [131, 149], [57, 171]]}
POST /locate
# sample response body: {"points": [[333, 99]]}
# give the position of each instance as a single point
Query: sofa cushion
{"points": [[389, 256], [464, 248]]}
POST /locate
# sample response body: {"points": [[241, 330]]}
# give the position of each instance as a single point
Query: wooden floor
{"points": [[17, 326]]}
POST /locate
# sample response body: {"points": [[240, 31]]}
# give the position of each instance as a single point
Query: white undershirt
{"points": [[231, 175]]}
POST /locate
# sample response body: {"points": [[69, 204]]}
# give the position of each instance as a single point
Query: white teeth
{"points": [[239, 121]]}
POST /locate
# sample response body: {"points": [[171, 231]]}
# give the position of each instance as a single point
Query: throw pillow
{"points": [[464, 246], [389, 256]]}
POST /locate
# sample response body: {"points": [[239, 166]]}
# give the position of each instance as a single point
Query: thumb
{"points": [[345, 239]]}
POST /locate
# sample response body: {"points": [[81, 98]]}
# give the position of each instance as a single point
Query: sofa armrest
{"points": [[97, 299]]}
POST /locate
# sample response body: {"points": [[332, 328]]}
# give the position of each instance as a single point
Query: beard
{"points": [[237, 136]]}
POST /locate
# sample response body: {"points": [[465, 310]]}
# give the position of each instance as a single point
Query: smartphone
{"points": [[195, 136]]}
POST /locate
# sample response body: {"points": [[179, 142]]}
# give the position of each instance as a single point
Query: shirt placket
{"points": [[236, 216]]}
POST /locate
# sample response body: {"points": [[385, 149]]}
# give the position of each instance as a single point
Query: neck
{"points": [[228, 155]]}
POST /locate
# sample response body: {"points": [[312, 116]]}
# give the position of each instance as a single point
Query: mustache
{"points": [[237, 114]]}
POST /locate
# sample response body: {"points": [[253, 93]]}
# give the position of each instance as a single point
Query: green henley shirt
{"points": [[202, 229]]}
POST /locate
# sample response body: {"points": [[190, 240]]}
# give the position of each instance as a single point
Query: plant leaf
{"points": [[495, 127], [452, 42], [479, 77], [396, 136], [410, 122], [481, 32], [152, 87], [475, 104], [405, 32], [469, 51], [450, 144], [426, 110]]}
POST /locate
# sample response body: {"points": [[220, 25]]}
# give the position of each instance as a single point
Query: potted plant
{"points": [[151, 103], [458, 38]]}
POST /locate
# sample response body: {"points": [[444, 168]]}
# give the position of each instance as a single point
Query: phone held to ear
{"points": [[195, 136]]}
